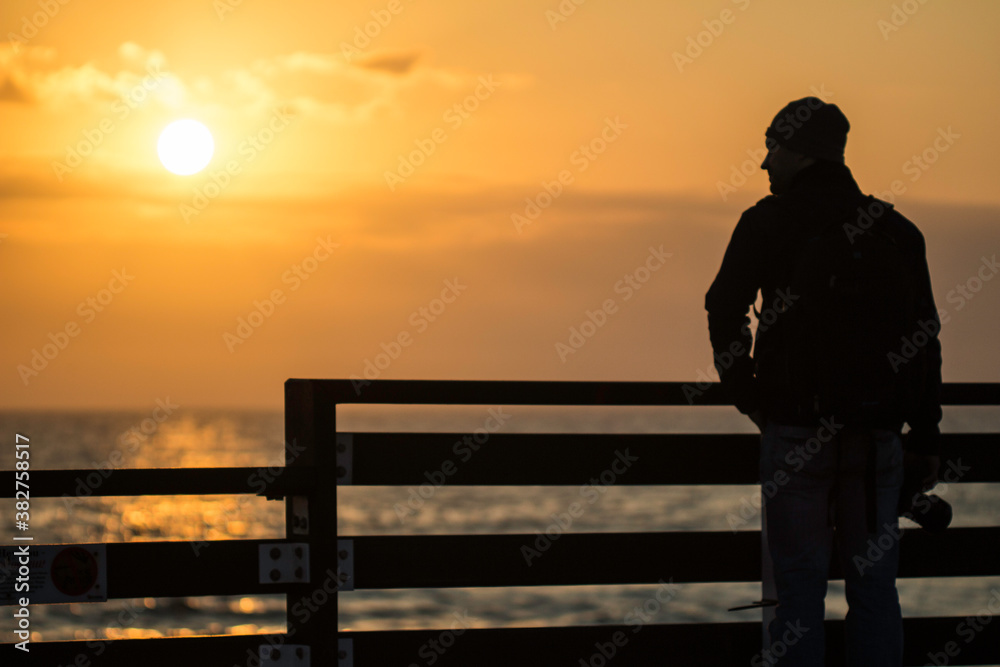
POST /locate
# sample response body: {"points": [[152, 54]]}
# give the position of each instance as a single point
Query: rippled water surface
{"points": [[191, 438]]}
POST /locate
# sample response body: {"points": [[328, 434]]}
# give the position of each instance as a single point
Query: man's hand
{"points": [[932, 464], [758, 418], [927, 468]]}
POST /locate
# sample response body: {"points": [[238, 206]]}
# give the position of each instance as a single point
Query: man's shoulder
{"points": [[901, 227], [764, 206], [766, 216]]}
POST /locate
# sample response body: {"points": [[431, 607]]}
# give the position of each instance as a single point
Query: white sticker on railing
{"points": [[53, 573]]}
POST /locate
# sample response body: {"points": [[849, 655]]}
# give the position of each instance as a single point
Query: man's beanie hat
{"points": [[811, 127]]}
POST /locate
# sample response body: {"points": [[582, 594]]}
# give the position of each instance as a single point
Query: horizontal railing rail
{"points": [[542, 392]]}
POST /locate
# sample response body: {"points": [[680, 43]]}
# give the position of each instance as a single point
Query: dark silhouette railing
{"points": [[312, 565]]}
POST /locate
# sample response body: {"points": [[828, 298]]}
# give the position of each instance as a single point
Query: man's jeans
{"points": [[819, 483]]}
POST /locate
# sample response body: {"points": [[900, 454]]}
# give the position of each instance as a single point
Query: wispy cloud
{"points": [[12, 91], [393, 63], [324, 85], [30, 76]]}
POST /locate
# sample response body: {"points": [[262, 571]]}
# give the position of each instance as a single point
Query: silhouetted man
{"points": [[846, 352]]}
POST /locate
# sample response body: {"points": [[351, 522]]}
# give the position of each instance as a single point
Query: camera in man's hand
{"points": [[931, 513]]}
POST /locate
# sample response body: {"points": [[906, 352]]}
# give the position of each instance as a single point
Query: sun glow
{"points": [[185, 147]]}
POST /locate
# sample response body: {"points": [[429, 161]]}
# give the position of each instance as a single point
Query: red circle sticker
{"points": [[74, 571]]}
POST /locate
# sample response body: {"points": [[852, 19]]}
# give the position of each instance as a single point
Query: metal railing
{"points": [[312, 565]]}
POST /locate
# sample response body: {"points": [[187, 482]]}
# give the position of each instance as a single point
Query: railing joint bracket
{"points": [[283, 563], [345, 459], [285, 655], [345, 653], [345, 565]]}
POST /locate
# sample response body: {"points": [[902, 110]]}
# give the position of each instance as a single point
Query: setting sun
{"points": [[185, 147]]}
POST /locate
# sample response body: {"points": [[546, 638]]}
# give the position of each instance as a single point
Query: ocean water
{"points": [[201, 438]]}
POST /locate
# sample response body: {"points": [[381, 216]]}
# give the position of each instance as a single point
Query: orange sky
{"points": [[375, 194]]}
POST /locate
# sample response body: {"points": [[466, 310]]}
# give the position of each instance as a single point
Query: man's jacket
{"points": [[760, 250]]}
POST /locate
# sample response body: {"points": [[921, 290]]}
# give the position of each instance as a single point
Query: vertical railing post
{"points": [[310, 433]]}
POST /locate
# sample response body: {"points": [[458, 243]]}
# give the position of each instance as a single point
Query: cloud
{"points": [[331, 88], [325, 86], [393, 63], [28, 76], [139, 58], [11, 91]]}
